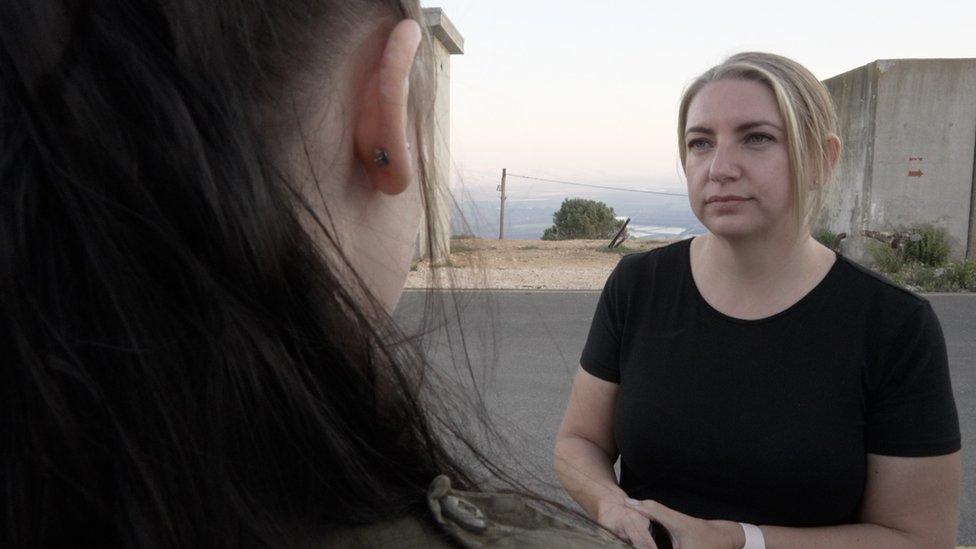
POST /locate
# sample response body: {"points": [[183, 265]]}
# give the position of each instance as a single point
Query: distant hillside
{"points": [[526, 218]]}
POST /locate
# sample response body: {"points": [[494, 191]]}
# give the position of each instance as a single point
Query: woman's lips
{"points": [[726, 198]]}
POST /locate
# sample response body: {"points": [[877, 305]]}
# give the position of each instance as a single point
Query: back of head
{"points": [[182, 366], [805, 106]]}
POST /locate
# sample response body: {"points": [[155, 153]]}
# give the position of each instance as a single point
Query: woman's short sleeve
{"points": [[601, 353], [910, 410]]}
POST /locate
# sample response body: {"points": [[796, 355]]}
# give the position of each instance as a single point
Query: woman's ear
{"points": [[380, 133], [834, 149]]}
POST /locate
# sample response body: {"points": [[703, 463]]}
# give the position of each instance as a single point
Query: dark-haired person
{"points": [[759, 389], [207, 210]]}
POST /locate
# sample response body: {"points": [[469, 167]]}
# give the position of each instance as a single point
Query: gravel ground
{"points": [[525, 264]]}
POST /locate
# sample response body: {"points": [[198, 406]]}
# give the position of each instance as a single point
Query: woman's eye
{"points": [[758, 138], [697, 144]]}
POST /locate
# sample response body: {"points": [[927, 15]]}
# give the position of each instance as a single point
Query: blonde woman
{"points": [[759, 389]]}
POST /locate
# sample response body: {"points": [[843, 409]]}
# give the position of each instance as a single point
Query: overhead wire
{"points": [[594, 186]]}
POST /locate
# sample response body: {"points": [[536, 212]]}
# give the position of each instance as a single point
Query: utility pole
{"points": [[501, 212]]}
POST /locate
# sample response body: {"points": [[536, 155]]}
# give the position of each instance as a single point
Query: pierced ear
{"points": [[381, 127]]}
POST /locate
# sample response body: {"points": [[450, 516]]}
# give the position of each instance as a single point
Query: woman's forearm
{"points": [[586, 472], [907, 502], [841, 537], [853, 536]]}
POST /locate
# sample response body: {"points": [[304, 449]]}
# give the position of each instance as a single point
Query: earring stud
{"points": [[381, 158]]}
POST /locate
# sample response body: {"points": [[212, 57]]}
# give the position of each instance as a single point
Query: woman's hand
{"points": [[689, 532], [625, 521]]}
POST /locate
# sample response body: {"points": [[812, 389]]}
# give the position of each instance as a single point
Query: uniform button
{"points": [[464, 513]]}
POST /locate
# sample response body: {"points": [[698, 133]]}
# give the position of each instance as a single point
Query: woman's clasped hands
{"points": [[630, 519]]}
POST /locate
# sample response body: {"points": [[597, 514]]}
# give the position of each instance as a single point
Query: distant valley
{"points": [[652, 216]]}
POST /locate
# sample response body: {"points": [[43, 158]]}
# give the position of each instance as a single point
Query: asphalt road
{"points": [[523, 349]]}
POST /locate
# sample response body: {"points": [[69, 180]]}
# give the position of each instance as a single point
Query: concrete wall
{"points": [[447, 42], [909, 128], [854, 93]]}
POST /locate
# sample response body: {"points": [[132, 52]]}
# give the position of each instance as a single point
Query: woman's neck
{"points": [[757, 279], [758, 260]]}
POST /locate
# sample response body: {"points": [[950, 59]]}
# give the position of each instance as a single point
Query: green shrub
{"points": [[957, 276], [825, 237], [582, 218], [917, 276], [886, 258], [922, 262], [962, 274], [928, 245]]}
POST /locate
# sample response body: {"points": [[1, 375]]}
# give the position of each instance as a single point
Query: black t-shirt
{"points": [[767, 421]]}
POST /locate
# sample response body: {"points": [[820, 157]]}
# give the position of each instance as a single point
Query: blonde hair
{"points": [[807, 111]]}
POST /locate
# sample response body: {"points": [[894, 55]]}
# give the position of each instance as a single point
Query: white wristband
{"points": [[754, 536]]}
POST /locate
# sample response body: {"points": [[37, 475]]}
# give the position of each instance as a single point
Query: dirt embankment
{"points": [[525, 264]]}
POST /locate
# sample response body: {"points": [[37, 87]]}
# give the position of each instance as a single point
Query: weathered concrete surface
{"points": [[909, 128], [447, 41], [854, 94]]}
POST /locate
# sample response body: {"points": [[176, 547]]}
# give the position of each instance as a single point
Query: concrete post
{"points": [[971, 249], [501, 210], [447, 42]]}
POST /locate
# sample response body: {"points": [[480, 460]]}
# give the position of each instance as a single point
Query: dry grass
{"points": [[526, 264]]}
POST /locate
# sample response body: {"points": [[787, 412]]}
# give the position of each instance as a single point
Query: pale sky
{"points": [[588, 91]]}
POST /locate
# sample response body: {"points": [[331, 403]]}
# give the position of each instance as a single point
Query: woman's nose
{"points": [[724, 166]]}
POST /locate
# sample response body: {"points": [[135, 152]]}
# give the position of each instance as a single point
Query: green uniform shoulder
{"points": [[475, 520]]}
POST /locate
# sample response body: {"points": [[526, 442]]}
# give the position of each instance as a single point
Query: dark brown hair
{"points": [[182, 365]]}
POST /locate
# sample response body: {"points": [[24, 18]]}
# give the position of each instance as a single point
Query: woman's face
{"points": [[737, 164]]}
